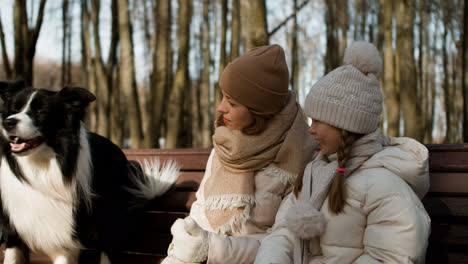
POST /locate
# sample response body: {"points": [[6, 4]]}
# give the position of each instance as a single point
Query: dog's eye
{"points": [[36, 108]]}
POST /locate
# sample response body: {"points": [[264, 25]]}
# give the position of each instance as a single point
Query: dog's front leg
{"points": [[16, 255], [68, 258], [104, 259]]}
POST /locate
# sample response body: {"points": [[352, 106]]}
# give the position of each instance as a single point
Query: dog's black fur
{"points": [[105, 201]]}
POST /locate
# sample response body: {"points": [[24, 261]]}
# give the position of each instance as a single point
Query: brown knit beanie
{"points": [[259, 79], [349, 97]]}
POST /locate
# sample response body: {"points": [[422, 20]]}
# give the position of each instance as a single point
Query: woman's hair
{"points": [[337, 193], [258, 125]]}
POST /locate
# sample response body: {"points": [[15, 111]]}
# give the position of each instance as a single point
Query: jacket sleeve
{"points": [[397, 228], [233, 249], [278, 246]]}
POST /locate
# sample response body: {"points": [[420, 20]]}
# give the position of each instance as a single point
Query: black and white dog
{"points": [[62, 188]]}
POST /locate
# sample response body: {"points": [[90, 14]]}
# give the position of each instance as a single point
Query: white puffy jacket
{"points": [[383, 221]]}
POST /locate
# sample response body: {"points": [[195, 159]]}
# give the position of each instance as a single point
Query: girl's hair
{"points": [[258, 125], [337, 193]]}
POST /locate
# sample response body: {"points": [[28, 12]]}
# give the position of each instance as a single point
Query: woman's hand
{"points": [[189, 242]]}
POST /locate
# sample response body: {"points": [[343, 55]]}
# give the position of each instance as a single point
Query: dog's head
{"points": [[31, 117]]}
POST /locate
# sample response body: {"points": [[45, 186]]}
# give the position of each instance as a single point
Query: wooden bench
{"points": [[447, 204]]}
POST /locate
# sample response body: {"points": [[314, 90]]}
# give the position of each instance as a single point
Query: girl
{"points": [[359, 199], [261, 145]]}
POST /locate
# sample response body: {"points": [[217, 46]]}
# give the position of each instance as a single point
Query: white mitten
{"points": [[189, 242], [305, 221]]}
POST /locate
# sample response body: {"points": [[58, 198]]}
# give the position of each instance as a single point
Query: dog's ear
{"points": [[76, 97], [8, 89]]}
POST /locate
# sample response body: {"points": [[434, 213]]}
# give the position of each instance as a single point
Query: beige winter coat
{"points": [[271, 186], [384, 220]]}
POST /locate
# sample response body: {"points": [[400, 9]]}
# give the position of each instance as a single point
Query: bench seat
{"points": [[446, 202]]}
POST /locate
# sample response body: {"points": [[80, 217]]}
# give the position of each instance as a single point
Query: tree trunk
{"points": [[363, 15], [430, 84], [457, 98], [6, 60], [357, 13], [392, 95], [235, 29], [162, 71], [332, 56], [465, 71], [113, 82], [102, 89], [88, 68], [25, 40], [127, 75], [294, 53], [223, 60], [446, 88], [254, 28], [181, 80], [116, 120], [343, 24], [412, 114], [65, 29], [206, 120], [422, 90]]}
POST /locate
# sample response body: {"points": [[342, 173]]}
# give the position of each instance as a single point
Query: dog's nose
{"points": [[10, 123]]}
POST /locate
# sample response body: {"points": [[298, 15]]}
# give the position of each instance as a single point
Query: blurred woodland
{"points": [[167, 96]]}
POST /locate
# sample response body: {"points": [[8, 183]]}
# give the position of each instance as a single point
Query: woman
{"points": [[359, 199], [261, 145]]}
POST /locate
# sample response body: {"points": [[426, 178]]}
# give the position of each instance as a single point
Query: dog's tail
{"points": [[156, 180]]}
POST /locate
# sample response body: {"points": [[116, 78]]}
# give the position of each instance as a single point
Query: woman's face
{"points": [[235, 115], [327, 136]]}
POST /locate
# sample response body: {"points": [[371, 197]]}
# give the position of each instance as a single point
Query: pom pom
{"points": [[364, 56], [305, 221]]}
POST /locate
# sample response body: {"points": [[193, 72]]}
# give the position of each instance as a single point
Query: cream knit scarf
{"points": [[323, 167], [229, 192]]}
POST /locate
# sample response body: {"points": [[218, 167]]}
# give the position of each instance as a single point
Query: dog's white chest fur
{"points": [[41, 211]]}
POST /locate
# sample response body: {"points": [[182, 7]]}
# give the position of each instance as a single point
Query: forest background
{"points": [[154, 64]]}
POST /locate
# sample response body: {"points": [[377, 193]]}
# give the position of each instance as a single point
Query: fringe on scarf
{"points": [[284, 176], [235, 223], [229, 201]]}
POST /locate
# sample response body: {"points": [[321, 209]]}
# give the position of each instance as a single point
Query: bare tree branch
{"points": [[280, 25]]}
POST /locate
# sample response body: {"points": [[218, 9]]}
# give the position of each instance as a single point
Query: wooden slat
{"points": [[189, 180], [176, 201], [448, 147], [447, 209], [139, 258], [454, 183], [151, 243], [189, 159], [159, 221], [448, 157], [93, 257], [453, 235], [439, 255]]}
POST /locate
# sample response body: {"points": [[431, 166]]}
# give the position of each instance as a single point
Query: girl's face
{"points": [[327, 136], [235, 115]]}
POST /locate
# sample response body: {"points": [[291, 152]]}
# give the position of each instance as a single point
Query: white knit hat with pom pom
{"points": [[349, 97]]}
